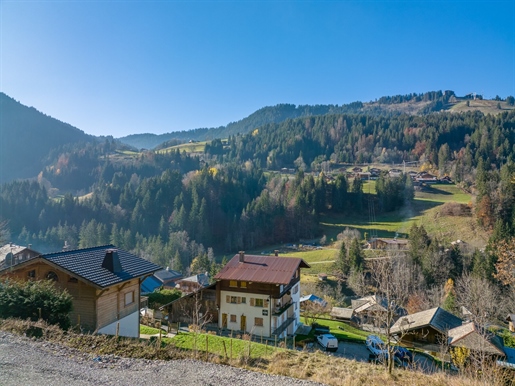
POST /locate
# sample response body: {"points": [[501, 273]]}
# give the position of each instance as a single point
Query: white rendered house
{"points": [[260, 294]]}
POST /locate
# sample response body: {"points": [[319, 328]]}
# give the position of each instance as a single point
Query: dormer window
{"points": [[243, 284], [233, 283]]}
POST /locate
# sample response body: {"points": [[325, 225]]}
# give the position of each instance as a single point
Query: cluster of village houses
{"points": [[416, 177], [253, 294]]}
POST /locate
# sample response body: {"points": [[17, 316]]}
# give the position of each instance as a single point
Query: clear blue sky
{"points": [[124, 67]]}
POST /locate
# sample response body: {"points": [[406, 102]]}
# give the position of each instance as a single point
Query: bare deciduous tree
{"points": [[391, 290], [313, 311], [481, 299]]}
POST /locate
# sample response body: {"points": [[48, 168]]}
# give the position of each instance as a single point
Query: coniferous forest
{"points": [[179, 209]]}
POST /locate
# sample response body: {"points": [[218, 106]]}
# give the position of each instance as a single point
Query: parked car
{"points": [[403, 354], [376, 346], [328, 342]]}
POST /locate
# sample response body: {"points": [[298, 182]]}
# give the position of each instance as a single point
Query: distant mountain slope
{"points": [[27, 136], [410, 104], [270, 114]]}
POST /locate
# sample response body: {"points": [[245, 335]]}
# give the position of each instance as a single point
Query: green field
{"points": [[197, 147], [221, 345], [148, 330], [424, 210], [341, 330]]}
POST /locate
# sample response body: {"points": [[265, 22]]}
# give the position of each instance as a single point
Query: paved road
{"points": [[359, 352]]}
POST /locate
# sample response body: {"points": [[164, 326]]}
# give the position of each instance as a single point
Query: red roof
{"points": [[261, 269]]}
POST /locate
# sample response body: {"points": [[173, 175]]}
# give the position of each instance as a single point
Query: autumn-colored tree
{"points": [[416, 303], [505, 266]]}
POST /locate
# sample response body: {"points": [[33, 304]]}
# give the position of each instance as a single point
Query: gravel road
{"points": [[27, 362]]}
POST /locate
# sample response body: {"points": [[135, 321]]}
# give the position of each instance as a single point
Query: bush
{"points": [[160, 298], [27, 300]]}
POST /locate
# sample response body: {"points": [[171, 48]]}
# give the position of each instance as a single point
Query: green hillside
{"points": [[27, 136]]}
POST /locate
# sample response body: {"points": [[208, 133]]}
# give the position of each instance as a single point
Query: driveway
{"points": [[359, 352]]}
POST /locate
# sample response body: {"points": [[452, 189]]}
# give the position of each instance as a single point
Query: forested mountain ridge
{"points": [[171, 207], [410, 104], [27, 137]]}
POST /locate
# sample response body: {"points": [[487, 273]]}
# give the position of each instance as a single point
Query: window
{"points": [[258, 322], [233, 318], [258, 303], [31, 274], [129, 298], [295, 289], [243, 284], [233, 283], [244, 300], [234, 299], [52, 276]]}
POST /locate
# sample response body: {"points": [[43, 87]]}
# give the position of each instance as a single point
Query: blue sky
{"points": [[125, 67]]}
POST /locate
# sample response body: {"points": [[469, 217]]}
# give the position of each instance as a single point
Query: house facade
{"points": [[260, 295], [104, 283], [388, 244], [11, 254]]}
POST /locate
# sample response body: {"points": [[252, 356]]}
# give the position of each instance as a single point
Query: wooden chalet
{"points": [[104, 283], [477, 340], [426, 329], [394, 244]]}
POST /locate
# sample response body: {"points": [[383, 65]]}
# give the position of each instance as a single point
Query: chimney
{"points": [[112, 261], [242, 256], [30, 246], [276, 252]]}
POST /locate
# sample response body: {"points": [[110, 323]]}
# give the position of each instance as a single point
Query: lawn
{"points": [[196, 147], [341, 330], [148, 330], [222, 345]]}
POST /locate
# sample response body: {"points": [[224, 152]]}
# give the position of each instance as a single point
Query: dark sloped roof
{"points": [[150, 284], [166, 275], [87, 264], [437, 318], [261, 269]]}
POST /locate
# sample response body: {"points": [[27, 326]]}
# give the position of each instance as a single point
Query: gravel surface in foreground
{"points": [[27, 362]]}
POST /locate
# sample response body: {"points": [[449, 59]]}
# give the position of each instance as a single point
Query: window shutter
{"points": [[228, 299], [252, 302], [266, 303], [239, 299]]}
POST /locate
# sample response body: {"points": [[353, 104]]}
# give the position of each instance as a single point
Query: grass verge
{"points": [[314, 366]]}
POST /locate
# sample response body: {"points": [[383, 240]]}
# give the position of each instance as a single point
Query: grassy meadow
{"points": [[196, 147], [426, 209]]}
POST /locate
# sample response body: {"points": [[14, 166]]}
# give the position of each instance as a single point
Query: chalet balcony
{"points": [[279, 330], [280, 310]]}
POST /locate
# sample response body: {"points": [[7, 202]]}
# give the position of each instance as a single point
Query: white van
{"points": [[328, 342]]}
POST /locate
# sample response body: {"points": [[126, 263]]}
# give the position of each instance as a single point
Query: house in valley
{"points": [[164, 278], [394, 244], [104, 283], [193, 283], [477, 340], [11, 254], [368, 310], [425, 329], [260, 294], [196, 308]]}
